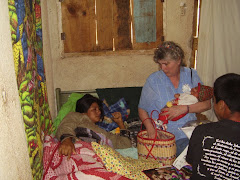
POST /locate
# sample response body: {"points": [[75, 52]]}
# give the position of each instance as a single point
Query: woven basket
{"points": [[163, 150]]}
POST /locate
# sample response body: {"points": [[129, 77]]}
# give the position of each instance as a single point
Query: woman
{"points": [[160, 88], [88, 112]]}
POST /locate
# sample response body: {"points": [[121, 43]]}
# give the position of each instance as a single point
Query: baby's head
{"points": [[202, 93]]}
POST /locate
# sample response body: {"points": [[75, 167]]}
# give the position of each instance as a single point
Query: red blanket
{"points": [[85, 164]]}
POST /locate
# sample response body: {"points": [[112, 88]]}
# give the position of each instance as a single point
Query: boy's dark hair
{"points": [[227, 88], [86, 101]]}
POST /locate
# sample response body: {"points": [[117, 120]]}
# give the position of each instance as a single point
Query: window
{"points": [[111, 25]]}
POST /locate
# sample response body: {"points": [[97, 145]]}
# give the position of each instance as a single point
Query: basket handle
{"points": [[155, 138], [153, 123]]}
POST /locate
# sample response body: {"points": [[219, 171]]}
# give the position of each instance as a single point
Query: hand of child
{"points": [[67, 148]]}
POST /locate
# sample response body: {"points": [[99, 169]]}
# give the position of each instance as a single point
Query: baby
{"points": [[198, 94]]}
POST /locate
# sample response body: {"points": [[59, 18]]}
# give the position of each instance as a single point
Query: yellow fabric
{"points": [[125, 166]]}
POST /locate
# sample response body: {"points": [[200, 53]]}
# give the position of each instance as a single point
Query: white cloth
{"points": [[187, 99]]}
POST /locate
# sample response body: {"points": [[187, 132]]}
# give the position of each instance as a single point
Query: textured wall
{"points": [[47, 56], [91, 72], [14, 163], [120, 70], [178, 27]]}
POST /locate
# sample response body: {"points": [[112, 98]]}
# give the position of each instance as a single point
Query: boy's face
{"points": [[194, 92]]}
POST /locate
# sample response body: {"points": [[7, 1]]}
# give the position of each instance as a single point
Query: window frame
{"points": [[139, 48]]}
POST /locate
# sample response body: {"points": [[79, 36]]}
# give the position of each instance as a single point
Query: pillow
{"points": [[106, 109], [120, 106], [130, 94], [69, 106]]}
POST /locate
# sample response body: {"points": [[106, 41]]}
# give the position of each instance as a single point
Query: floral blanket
{"points": [[85, 164]]}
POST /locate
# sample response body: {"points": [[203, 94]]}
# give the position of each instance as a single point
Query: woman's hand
{"points": [[175, 111], [151, 131], [117, 118], [67, 148], [152, 134]]}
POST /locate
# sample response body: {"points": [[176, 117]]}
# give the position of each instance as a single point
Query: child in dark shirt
{"points": [[214, 148]]}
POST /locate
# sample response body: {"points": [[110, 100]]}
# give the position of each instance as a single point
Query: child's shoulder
{"points": [[203, 127]]}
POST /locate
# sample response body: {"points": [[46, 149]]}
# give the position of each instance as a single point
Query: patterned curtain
{"points": [[26, 32]]}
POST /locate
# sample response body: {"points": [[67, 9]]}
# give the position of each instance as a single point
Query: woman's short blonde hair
{"points": [[169, 49]]}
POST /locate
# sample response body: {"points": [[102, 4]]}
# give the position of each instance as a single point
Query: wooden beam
{"points": [[105, 24]]}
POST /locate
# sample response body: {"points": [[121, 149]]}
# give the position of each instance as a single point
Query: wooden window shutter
{"points": [[78, 22], [113, 24], [107, 24], [104, 24], [147, 23], [122, 24]]}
